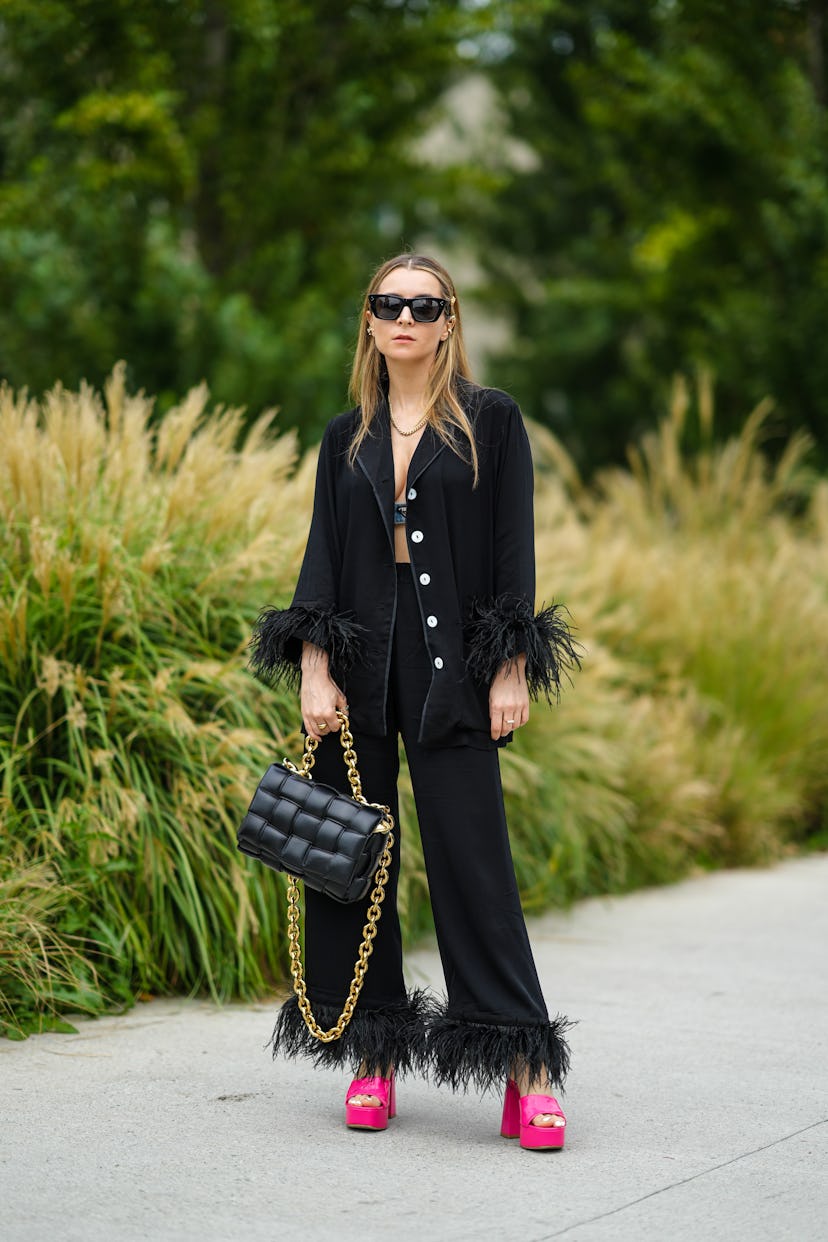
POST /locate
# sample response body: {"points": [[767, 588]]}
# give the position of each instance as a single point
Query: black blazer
{"points": [[473, 558]]}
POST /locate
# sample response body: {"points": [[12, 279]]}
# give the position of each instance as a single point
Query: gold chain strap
{"points": [[369, 931]]}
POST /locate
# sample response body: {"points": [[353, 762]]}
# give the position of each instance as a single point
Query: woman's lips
{"points": [[403, 337]]}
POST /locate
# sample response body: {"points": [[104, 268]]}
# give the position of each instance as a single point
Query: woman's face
{"points": [[402, 339]]}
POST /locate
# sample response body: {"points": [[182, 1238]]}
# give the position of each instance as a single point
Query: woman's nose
{"points": [[405, 315]]}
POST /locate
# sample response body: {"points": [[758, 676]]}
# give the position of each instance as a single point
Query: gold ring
{"points": [[322, 726]]}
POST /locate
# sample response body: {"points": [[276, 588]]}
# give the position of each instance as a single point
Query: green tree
{"points": [[200, 187], [677, 214]]}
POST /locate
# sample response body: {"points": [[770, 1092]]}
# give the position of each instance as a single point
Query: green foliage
{"points": [[133, 561], [697, 733], [130, 733], [38, 961], [676, 213], [203, 187]]}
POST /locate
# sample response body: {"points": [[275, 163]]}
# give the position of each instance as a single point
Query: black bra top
{"points": [[399, 513]]}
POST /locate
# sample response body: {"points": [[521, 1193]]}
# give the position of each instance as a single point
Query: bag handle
{"points": [[369, 931], [346, 737]]}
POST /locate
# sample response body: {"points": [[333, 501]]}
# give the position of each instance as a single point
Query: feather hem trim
{"points": [[483, 1055], [276, 643], [394, 1035], [500, 628]]}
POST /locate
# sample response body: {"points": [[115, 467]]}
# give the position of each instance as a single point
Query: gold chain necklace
{"points": [[413, 430]]}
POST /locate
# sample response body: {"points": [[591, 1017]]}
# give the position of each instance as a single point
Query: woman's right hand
{"points": [[320, 695]]}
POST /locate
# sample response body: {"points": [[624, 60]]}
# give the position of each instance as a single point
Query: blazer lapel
{"points": [[377, 463], [429, 447]]}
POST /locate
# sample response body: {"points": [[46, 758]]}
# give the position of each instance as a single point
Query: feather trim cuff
{"points": [[394, 1035], [499, 629], [276, 645], [483, 1055]]}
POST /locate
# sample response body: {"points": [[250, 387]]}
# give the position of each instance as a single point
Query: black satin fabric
{"points": [[487, 960]]}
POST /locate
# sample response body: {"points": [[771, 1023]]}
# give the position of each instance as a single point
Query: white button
{"points": [[425, 579], [438, 663], [417, 536], [432, 621], [412, 493]]}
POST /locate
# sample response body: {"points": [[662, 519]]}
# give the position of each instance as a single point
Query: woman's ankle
{"points": [[526, 1085], [364, 1072]]}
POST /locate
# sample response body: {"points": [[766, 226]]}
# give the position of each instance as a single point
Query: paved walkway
{"points": [[698, 1101]]}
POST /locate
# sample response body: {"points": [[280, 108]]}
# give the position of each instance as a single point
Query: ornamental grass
{"points": [[137, 551], [133, 560]]}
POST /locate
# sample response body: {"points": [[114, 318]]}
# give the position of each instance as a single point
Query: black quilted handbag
{"points": [[337, 845]]}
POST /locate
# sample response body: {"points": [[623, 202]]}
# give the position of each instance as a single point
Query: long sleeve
{"points": [[506, 625], [313, 616]]}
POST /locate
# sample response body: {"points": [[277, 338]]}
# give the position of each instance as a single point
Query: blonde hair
{"points": [[443, 408]]}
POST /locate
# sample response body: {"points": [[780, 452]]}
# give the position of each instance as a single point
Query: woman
{"points": [[414, 613]]}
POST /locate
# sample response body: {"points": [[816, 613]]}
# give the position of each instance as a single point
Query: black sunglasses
{"points": [[423, 309]]}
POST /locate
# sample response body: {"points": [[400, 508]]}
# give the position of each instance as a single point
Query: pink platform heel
{"points": [[518, 1112], [371, 1117]]}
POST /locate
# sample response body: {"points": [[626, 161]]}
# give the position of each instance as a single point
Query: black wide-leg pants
{"points": [[494, 1020]]}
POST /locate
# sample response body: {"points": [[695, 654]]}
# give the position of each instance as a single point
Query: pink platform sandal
{"points": [[367, 1116], [518, 1112]]}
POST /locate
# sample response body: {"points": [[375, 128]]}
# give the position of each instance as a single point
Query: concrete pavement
{"points": [[698, 1101]]}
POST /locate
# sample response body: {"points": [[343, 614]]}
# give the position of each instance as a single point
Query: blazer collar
{"points": [[376, 458]]}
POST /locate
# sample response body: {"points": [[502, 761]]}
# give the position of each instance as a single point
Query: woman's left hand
{"points": [[509, 697]]}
